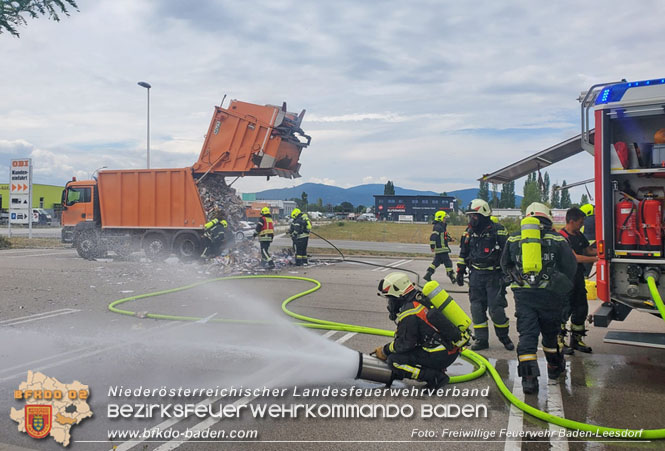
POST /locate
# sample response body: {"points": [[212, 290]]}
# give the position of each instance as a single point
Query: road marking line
{"points": [[50, 357], [38, 316], [516, 418], [206, 319], [399, 264], [555, 407], [90, 354], [329, 334], [345, 338], [389, 264]]}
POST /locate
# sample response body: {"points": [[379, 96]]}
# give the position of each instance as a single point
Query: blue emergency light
{"points": [[614, 93]]}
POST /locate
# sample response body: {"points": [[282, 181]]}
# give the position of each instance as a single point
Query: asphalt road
{"points": [[54, 319]]}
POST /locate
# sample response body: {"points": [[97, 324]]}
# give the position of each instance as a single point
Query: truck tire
{"points": [[87, 245], [156, 246], [187, 246]]}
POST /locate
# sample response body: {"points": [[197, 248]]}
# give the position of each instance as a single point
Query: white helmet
{"points": [[539, 210], [395, 284], [479, 206]]}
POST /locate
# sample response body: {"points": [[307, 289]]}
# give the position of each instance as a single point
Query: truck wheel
{"points": [[240, 237], [187, 246], [156, 246], [87, 245]]}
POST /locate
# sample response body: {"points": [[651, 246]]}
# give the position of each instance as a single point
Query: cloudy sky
{"points": [[429, 94]]}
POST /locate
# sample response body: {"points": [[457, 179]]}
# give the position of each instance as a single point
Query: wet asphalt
{"points": [[54, 319]]}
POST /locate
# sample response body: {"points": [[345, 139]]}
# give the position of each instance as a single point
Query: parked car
{"points": [[41, 217], [245, 232], [370, 217]]}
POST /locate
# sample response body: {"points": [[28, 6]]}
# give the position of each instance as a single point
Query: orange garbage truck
{"points": [[163, 211]]}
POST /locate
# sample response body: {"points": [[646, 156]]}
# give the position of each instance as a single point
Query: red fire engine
{"points": [[628, 147]]}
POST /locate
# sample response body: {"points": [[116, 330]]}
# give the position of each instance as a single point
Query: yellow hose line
{"points": [[656, 296], [481, 362]]}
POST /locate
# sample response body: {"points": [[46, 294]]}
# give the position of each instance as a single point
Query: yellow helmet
{"points": [[295, 212], [539, 210], [587, 209], [395, 284], [439, 215], [265, 211], [479, 206]]}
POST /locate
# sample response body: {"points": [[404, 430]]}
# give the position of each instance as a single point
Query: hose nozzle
{"points": [[372, 369]]}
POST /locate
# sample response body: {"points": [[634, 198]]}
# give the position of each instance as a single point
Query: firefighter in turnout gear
{"points": [[438, 243], [575, 305], [480, 251], [420, 350], [299, 231], [265, 230], [541, 265], [214, 235]]}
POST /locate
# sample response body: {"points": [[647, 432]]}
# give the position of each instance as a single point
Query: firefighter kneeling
{"points": [[542, 267], [431, 330]]}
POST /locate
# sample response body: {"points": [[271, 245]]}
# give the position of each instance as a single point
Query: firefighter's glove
{"points": [[378, 352], [461, 271]]}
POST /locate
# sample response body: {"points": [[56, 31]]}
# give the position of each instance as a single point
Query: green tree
{"points": [[389, 189], [319, 202], [12, 12], [360, 209], [555, 198], [531, 191], [346, 206], [303, 200], [565, 197], [484, 191], [507, 195], [494, 203], [584, 199], [545, 188]]}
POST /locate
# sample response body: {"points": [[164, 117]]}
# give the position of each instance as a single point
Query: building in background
{"points": [[420, 208], [279, 209]]}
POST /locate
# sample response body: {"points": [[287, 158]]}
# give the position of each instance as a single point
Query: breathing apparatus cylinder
{"points": [[650, 220], [626, 225], [532, 260], [446, 315]]}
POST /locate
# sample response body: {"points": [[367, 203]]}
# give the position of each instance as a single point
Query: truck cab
{"points": [[77, 206]]}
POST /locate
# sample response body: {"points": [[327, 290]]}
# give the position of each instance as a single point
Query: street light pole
{"points": [[147, 86]]}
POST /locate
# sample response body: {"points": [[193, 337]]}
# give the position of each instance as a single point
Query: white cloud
{"points": [[430, 95]]}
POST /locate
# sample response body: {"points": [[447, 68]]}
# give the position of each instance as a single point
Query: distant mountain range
{"points": [[357, 195]]}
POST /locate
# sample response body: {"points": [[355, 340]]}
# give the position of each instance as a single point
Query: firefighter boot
{"points": [[576, 342], [556, 364], [529, 373], [482, 339], [561, 339], [437, 379], [452, 276], [428, 275], [507, 342]]}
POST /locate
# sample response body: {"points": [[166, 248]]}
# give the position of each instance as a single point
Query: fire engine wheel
{"points": [[87, 245], [187, 246], [156, 246]]}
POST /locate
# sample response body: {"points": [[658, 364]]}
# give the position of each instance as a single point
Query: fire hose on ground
{"points": [[478, 360]]}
